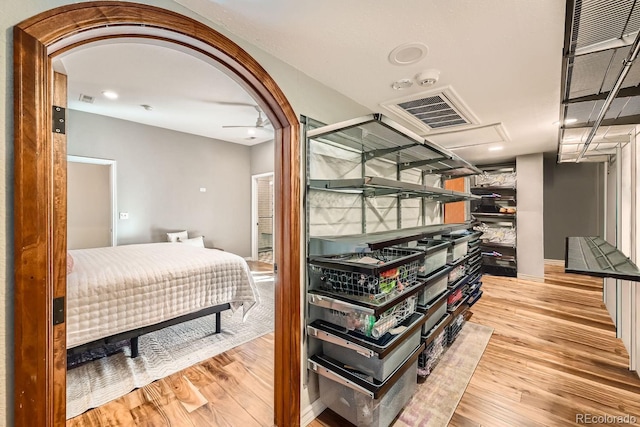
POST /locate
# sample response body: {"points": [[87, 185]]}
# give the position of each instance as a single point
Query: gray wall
{"points": [[262, 158], [160, 173], [573, 203], [530, 236]]}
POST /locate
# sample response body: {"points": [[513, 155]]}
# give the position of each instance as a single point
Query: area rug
{"points": [[436, 399], [165, 352]]}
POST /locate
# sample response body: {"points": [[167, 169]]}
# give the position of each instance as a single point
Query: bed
{"points": [[121, 292]]}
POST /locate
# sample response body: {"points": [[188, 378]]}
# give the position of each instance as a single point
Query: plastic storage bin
{"points": [[456, 272], [435, 285], [362, 401], [454, 328], [372, 274], [434, 312], [370, 325], [376, 359], [433, 352], [459, 246], [435, 255]]}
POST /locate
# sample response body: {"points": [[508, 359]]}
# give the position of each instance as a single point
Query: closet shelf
{"points": [[371, 186], [593, 256], [381, 239], [376, 136], [493, 215], [492, 188], [498, 245]]}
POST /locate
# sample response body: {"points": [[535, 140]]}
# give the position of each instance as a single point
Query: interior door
{"points": [[263, 231], [59, 220]]}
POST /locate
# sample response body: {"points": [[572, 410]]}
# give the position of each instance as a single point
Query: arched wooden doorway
{"points": [[40, 194]]}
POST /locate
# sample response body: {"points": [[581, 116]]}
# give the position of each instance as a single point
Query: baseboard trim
{"points": [[530, 278], [311, 412], [559, 262]]}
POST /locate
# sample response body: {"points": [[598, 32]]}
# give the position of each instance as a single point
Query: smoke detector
{"points": [[428, 77]]}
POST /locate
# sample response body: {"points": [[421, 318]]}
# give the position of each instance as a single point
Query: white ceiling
{"points": [[186, 93], [501, 58]]}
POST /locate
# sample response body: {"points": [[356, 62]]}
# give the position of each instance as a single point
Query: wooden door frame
{"points": [[40, 192]]}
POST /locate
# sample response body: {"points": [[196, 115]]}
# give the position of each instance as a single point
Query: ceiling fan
{"points": [[260, 121]]}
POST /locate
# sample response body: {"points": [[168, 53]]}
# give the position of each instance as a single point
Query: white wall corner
{"points": [[311, 412]]}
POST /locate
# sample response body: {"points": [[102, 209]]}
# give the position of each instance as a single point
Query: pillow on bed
{"points": [[69, 263], [178, 235], [195, 241]]}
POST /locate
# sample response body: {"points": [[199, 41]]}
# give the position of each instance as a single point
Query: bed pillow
{"points": [[178, 235], [69, 263], [195, 241]]}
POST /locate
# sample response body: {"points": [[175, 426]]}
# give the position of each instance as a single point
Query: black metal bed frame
{"points": [[134, 334]]}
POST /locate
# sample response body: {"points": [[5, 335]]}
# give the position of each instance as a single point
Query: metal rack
{"points": [[362, 284], [498, 258]]}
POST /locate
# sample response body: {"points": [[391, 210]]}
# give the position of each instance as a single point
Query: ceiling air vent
{"points": [[434, 110], [86, 98]]}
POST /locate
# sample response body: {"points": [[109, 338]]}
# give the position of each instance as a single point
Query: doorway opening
{"points": [[262, 217], [40, 217], [91, 202]]}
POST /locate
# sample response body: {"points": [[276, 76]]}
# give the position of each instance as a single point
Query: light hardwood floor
{"points": [[553, 355]]}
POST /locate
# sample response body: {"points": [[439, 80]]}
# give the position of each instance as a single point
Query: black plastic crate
{"points": [[454, 328], [432, 354], [386, 270]]}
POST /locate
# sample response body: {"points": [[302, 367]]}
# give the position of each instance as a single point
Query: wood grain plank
{"points": [[186, 393], [221, 403]]}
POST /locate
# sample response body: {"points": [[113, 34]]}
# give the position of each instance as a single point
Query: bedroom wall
{"points": [[160, 174], [262, 158], [307, 96]]}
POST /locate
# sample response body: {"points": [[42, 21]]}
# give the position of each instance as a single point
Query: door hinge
{"points": [[58, 310], [59, 119]]}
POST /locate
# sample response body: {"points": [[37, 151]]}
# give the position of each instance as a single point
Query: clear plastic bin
{"points": [[364, 402], [435, 255], [436, 285], [378, 361]]}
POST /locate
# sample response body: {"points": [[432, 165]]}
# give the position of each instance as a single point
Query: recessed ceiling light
{"points": [[408, 53], [497, 148], [110, 94], [402, 84]]}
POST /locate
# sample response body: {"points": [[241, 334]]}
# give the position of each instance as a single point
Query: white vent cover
{"points": [[434, 110], [86, 98]]}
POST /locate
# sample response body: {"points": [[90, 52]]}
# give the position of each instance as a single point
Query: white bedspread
{"points": [[117, 289]]}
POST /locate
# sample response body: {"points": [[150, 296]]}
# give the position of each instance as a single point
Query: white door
{"points": [[262, 218]]}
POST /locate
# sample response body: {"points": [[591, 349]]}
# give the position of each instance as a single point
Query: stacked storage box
{"points": [[474, 268], [365, 310], [454, 328], [435, 341]]}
